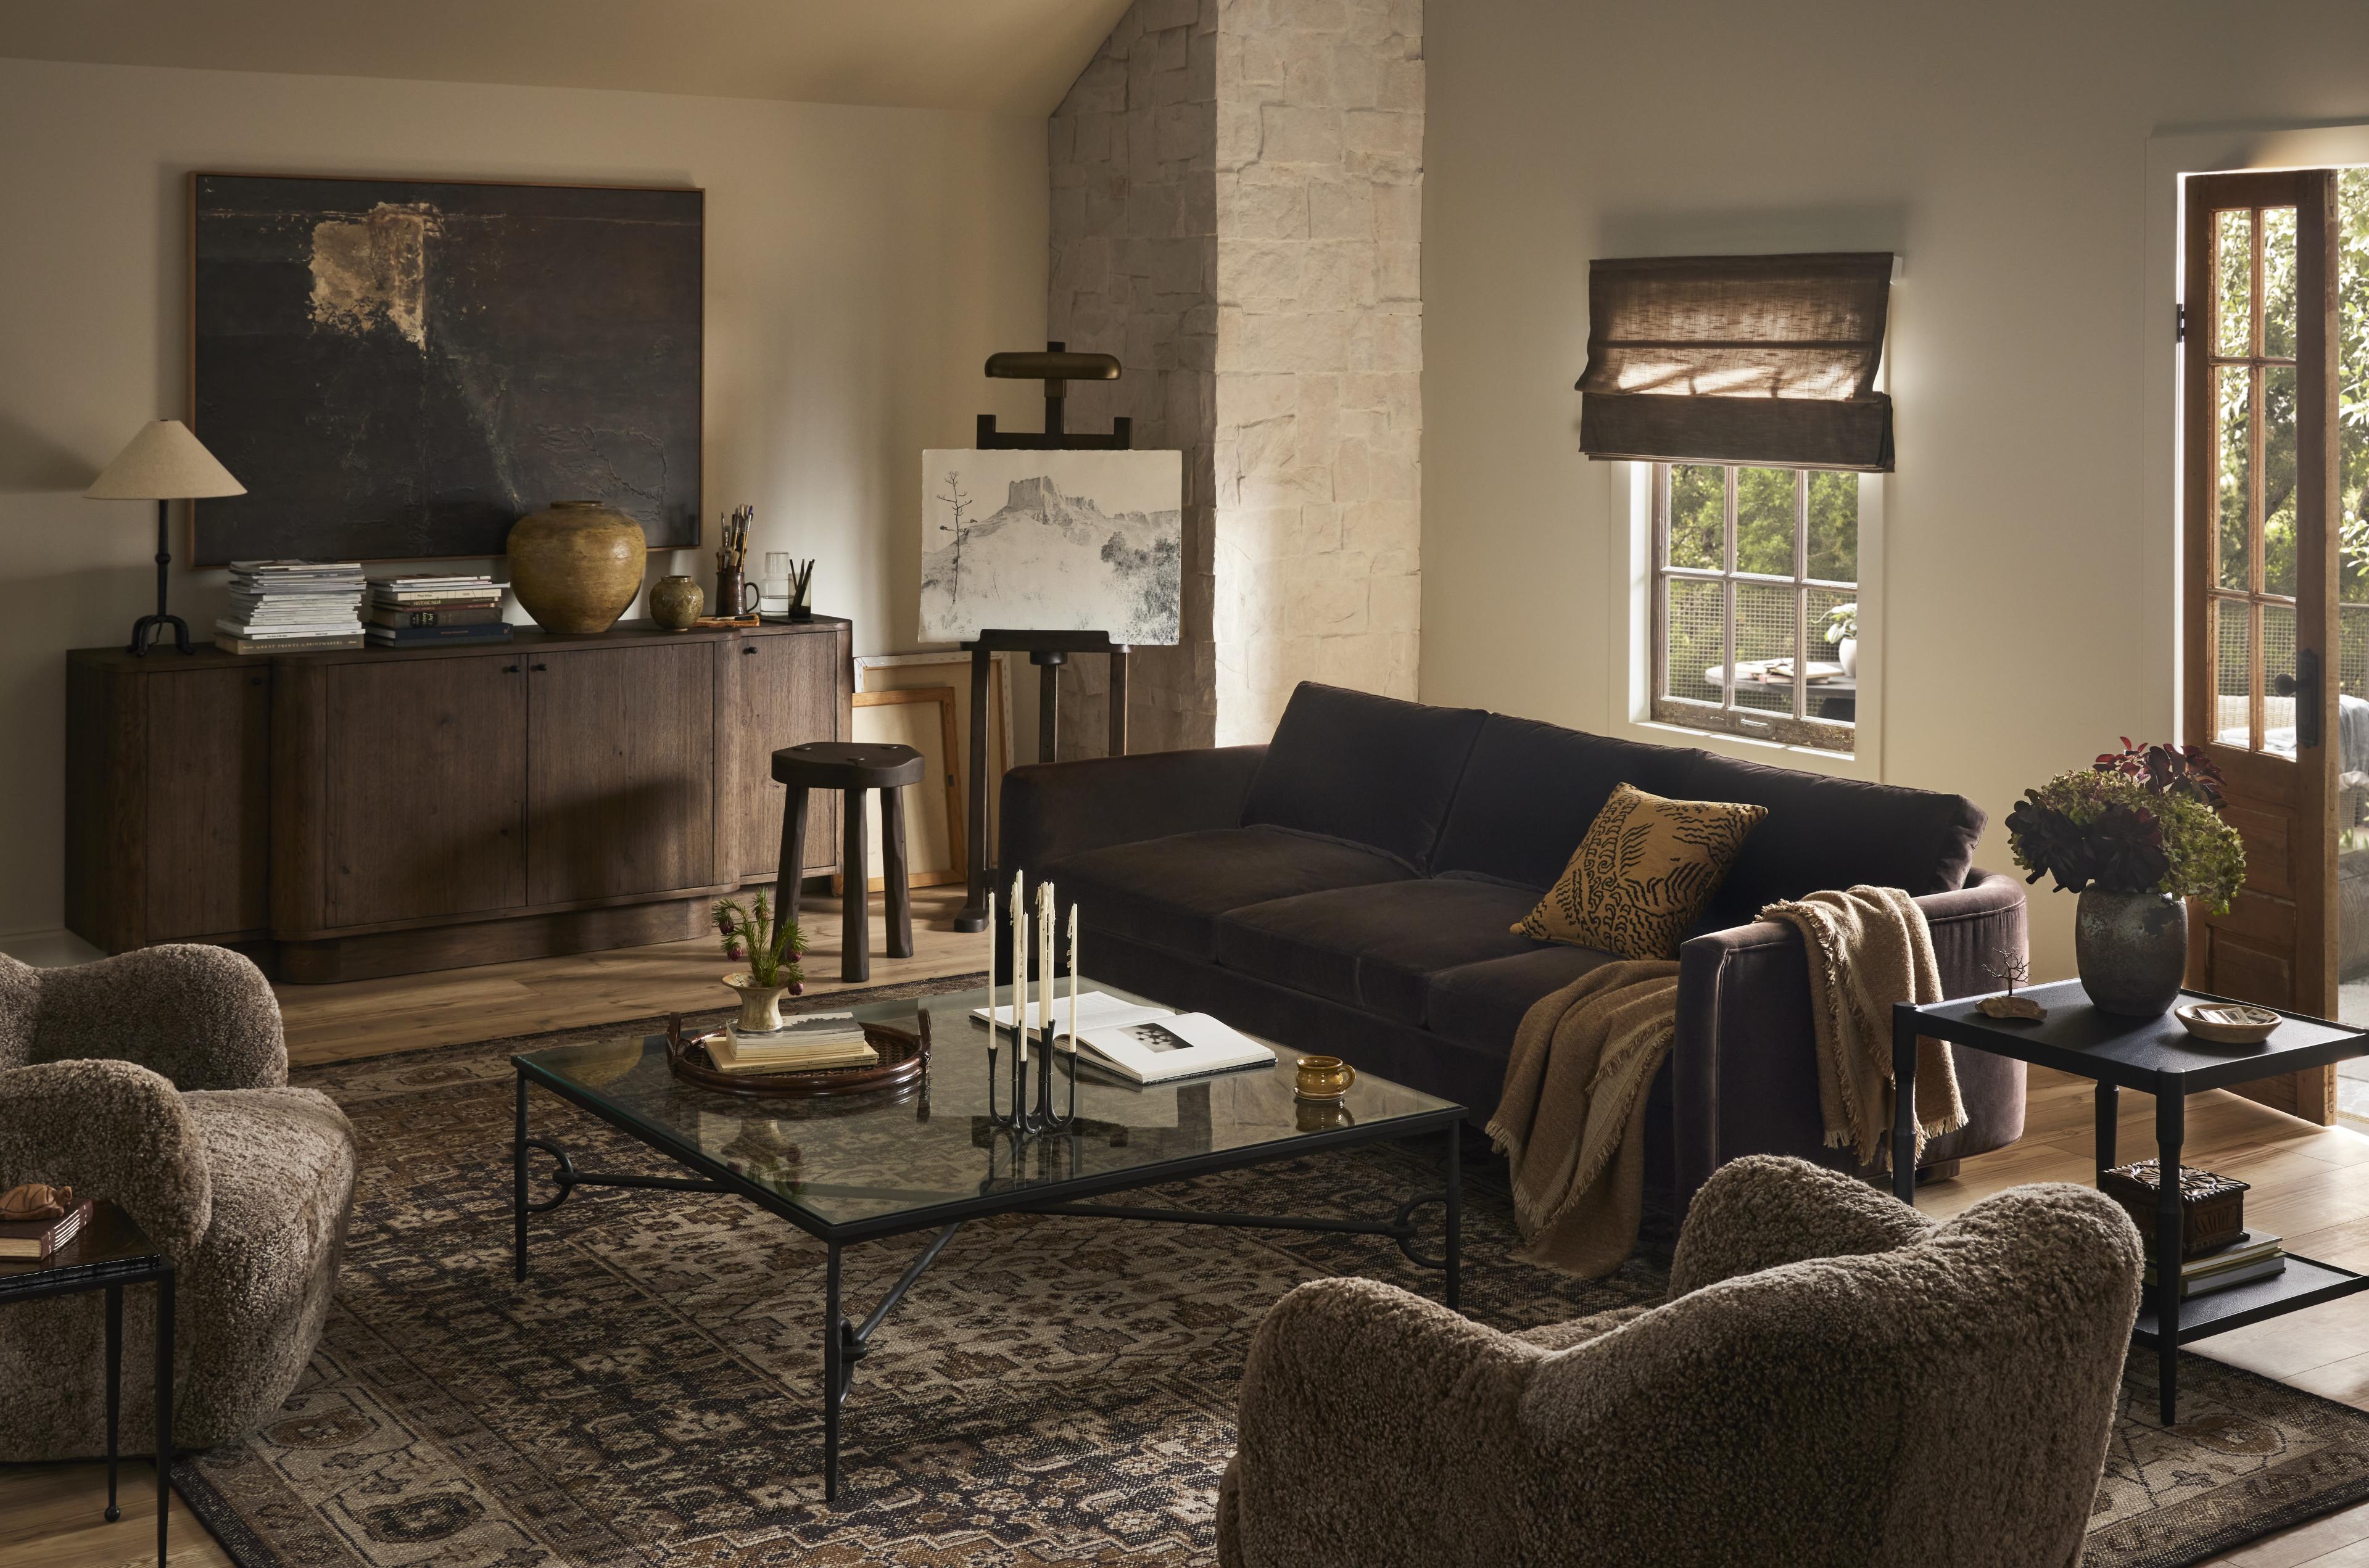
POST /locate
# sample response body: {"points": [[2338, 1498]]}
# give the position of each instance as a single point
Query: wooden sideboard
{"points": [[382, 811]]}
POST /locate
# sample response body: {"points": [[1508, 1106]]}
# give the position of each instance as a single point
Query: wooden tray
{"points": [[904, 1059]]}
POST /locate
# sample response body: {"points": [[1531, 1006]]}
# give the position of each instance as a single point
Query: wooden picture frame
{"points": [[919, 818], [905, 671]]}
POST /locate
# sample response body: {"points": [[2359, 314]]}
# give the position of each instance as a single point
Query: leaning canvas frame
{"points": [[1045, 541], [930, 804], [582, 382], [891, 671]]}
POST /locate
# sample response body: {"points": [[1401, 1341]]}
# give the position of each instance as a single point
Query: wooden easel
{"points": [[1048, 651]]}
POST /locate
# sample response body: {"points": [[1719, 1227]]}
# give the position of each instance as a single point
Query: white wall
{"points": [[2003, 149], [862, 263]]}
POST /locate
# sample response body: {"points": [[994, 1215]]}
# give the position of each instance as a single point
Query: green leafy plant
{"points": [[1842, 622], [750, 932], [2139, 821]]}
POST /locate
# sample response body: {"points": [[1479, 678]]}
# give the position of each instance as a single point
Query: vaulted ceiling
{"points": [[1004, 56]]}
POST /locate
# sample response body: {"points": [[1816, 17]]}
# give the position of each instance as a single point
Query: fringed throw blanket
{"points": [[1571, 1118], [1869, 948]]}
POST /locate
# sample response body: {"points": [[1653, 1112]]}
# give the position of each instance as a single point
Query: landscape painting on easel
{"points": [[400, 368], [1025, 541]]}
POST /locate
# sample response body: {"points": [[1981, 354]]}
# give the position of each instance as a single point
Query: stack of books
{"points": [[2255, 1255], [291, 607], [418, 612], [35, 1241], [803, 1045]]}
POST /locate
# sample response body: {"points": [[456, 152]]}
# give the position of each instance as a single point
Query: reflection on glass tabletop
{"points": [[870, 1156]]}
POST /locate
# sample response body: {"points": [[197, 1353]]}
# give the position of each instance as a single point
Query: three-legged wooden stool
{"points": [[832, 765]]}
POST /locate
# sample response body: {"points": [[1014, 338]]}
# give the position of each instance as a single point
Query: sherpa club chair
{"points": [[1833, 1380], [158, 1079]]}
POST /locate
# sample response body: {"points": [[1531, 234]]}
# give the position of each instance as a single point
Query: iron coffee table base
{"points": [[845, 1343]]}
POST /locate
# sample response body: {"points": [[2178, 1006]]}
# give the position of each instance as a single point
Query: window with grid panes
{"points": [[1755, 573]]}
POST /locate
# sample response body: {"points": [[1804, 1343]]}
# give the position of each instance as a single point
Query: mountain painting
{"points": [[1053, 542], [401, 369]]}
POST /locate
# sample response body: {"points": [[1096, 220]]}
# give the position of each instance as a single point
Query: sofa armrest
{"points": [[1359, 1401], [1055, 809], [113, 1130], [1742, 1065], [202, 1016], [1763, 1211]]}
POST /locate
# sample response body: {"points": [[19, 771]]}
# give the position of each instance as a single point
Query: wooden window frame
{"points": [[1723, 717]]}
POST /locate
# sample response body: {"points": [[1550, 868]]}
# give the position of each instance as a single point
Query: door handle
{"points": [[2303, 687]]}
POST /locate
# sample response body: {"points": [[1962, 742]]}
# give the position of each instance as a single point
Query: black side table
{"points": [[832, 764], [2159, 1057], [110, 1253]]}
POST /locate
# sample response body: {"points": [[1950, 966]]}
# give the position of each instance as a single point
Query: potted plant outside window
{"points": [[2134, 835], [1842, 635]]}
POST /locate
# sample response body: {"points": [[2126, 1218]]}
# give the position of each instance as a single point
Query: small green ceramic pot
{"points": [[676, 602]]}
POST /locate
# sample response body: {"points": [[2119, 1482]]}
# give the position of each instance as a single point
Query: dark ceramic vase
{"points": [[2132, 949]]}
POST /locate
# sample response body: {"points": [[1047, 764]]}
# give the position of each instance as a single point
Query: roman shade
{"points": [[1763, 360]]}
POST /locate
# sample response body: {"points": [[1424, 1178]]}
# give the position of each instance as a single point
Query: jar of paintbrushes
{"points": [[734, 592]]}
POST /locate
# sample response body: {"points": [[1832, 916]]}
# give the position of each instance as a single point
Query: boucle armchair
{"points": [[1834, 1379], [158, 1079]]}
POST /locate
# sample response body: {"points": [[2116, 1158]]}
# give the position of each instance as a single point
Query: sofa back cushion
{"points": [[1829, 832], [1369, 769], [1531, 791]]}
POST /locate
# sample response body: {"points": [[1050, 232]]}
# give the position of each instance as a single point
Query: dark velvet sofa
{"points": [[1349, 886]]}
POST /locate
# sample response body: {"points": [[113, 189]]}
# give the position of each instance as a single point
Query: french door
{"points": [[2260, 584]]}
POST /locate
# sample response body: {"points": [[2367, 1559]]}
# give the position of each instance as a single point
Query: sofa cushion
{"points": [[1531, 790], [1481, 1004], [1374, 947], [1643, 874], [1830, 832], [1369, 769], [1169, 892]]}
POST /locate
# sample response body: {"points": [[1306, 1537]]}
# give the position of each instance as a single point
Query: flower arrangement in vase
{"points": [[1842, 635], [2136, 834], [770, 946]]}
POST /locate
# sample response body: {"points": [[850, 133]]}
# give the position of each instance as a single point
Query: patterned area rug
{"points": [[1055, 1391]]}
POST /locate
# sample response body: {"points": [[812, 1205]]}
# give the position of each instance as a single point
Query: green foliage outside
{"points": [[2279, 397]]}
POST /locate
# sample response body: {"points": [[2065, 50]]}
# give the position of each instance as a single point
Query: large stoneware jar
{"points": [[576, 565]]}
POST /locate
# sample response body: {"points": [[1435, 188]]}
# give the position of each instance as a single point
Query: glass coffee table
{"points": [[926, 1157]]}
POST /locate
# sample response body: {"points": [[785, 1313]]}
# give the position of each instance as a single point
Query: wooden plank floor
{"points": [[2309, 1183]]}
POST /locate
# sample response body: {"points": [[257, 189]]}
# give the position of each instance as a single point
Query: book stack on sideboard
{"points": [[426, 611], [291, 607]]}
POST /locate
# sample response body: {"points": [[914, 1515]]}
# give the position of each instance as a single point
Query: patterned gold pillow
{"points": [[1643, 874]]}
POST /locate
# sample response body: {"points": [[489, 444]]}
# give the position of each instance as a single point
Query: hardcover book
{"points": [[36, 1240]]}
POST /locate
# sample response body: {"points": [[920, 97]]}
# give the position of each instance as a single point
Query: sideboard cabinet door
{"points": [[423, 788], [621, 770], [790, 693]]}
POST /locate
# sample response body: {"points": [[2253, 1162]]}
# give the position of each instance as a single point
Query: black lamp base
{"points": [[149, 630]]}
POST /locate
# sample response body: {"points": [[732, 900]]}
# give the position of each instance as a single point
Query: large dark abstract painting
{"points": [[402, 368]]}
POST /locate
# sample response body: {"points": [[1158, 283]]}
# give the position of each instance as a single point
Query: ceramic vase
{"points": [[1846, 654], [2132, 949], [576, 565], [676, 602], [760, 1006]]}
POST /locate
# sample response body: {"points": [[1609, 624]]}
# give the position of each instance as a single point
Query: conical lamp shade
{"points": [[164, 462]]}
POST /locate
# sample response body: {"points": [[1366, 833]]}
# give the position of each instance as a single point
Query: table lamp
{"points": [[162, 464]]}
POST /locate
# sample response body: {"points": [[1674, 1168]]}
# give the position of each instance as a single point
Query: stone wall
{"points": [[1319, 351], [1134, 272], [1237, 215]]}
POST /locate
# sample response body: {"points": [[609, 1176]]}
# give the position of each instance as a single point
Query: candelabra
{"points": [[1012, 1078]]}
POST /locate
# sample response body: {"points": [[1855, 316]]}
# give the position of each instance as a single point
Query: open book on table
{"points": [[1141, 1043]]}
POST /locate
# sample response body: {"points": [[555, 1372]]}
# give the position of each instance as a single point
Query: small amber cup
{"points": [[1323, 1077]]}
